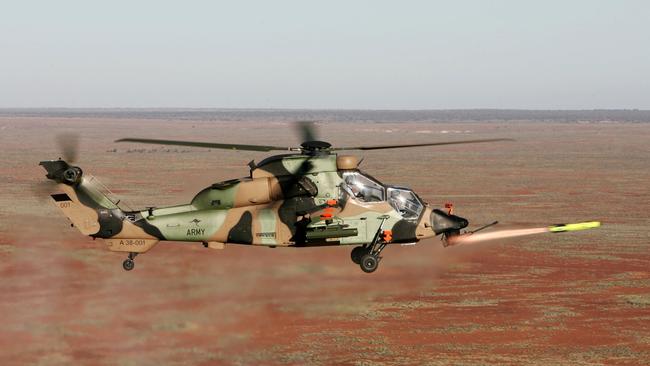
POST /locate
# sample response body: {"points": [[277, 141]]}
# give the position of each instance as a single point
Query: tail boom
{"points": [[93, 213]]}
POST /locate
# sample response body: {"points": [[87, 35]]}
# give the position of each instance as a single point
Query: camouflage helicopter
{"points": [[310, 196]]}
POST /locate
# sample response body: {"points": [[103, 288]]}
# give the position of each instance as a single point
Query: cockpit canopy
{"points": [[366, 189], [363, 187]]}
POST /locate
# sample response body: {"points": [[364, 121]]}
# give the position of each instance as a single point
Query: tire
{"points": [[128, 264], [357, 253], [369, 263]]}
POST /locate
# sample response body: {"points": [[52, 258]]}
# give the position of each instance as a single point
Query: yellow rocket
{"points": [[573, 227]]}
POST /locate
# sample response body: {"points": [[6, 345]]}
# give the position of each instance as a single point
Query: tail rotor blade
{"points": [[68, 145]]}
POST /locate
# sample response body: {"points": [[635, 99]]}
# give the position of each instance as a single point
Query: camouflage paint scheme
{"points": [[288, 200]]}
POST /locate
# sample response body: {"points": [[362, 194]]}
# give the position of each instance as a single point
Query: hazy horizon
{"points": [[333, 115], [379, 55]]}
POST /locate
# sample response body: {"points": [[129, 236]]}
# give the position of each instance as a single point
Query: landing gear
{"points": [[357, 253], [129, 263], [369, 263], [368, 254]]}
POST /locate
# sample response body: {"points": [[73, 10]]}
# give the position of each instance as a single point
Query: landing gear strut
{"points": [[129, 263], [367, 256]]}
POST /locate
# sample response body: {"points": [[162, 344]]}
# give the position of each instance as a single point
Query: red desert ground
{"points": [[578, 298]]}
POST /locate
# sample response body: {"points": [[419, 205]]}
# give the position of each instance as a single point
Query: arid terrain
{"points": [[578, 298]]}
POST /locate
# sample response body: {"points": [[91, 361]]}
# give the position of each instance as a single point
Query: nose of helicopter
{"points": [[442, 222]]}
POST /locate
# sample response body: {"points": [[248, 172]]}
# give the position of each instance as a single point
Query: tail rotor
{"points": [[68, 144], [60, 171]]}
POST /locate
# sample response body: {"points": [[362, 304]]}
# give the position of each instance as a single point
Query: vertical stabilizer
{"points": [[92, 212]]}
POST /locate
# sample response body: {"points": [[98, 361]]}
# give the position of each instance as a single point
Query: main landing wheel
{"points": [[357, 253], [128, 264], [369, 263]]}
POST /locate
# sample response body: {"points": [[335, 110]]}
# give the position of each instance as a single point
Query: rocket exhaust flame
{"points": [[472, 238], [501, 234]]}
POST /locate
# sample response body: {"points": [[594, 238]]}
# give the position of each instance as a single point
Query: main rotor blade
{"points": [[307, 130], [211, 145], [418, 145]]}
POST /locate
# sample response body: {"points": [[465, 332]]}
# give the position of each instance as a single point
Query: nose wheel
{"points": [[129, 263]]}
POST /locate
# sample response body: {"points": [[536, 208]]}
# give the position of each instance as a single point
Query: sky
{"points": [[571, 54]]}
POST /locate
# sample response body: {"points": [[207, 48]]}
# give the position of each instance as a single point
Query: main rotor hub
{"points": [[315, 146]]}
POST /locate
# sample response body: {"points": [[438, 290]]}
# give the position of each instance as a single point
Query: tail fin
{"points": [[95, 214], [91, 211]]}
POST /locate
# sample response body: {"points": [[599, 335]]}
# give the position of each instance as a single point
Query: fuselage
{"points": [[284, 202], [287, 200]]}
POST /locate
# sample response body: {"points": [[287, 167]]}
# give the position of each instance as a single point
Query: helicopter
{"points": [[308, 196]]}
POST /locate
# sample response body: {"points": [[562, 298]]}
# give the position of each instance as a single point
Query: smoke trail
{"points": [[501, 234]]}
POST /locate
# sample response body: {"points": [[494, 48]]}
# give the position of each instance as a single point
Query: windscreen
{"points": [[405, 202]]}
